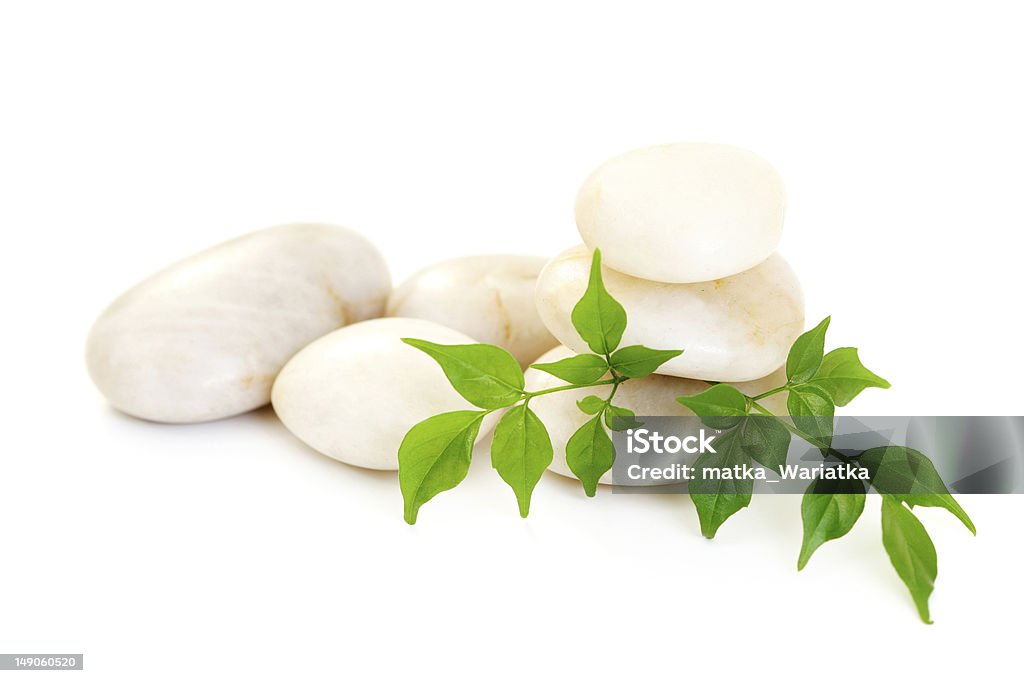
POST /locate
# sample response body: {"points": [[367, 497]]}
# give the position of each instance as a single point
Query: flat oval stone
{"points": [[353, 394], [687, 212], [654, 395], [490, 298], [205, 338], [734, 329]]}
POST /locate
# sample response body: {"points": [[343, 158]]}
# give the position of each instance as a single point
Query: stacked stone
{"points": [[687, 234]]}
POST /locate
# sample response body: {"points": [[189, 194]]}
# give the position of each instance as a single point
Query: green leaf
{"points": [[585, 368], [521, 451], [842, 376], [434, 457], [485, 375], [717, 499], [620, 419], [830, 508], [908, 475], [598, 317], [590, 453], [640, 361], [719, 407], [813, 412], [911, 552], [766, 440], [806, 353], [591, 405], [941, 500]]}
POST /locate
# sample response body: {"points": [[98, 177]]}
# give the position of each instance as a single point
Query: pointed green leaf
{"points": [[806, 353], [620, 419], [640, 361], [719, 407], [910, 476], [485, 375], [718, 498], [598, 317], [585, 368], [842, 376], [940, 500], [830, 508], [590, 453], [434, 457], [813, 413], [521, 451], [911, 552], [591, 405], [765, 439]]}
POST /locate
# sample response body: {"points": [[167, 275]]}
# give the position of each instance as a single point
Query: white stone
{"points": [[687, 212], [734, 329], [353, 394], [490, 298], [205, 338], [653, 395]]}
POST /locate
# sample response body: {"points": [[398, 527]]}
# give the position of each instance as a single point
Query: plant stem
{"points": [[531, 394], [803, 435], [753, 400], [770, 392]]}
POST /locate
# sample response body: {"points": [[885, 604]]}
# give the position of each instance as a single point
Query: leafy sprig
{"points": [[817, 382], [435, 454]]}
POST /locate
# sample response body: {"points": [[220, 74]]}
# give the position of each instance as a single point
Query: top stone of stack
{"points": [[685, 212]]}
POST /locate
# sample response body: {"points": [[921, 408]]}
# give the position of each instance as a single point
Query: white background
{"points": [[133, 134]]}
